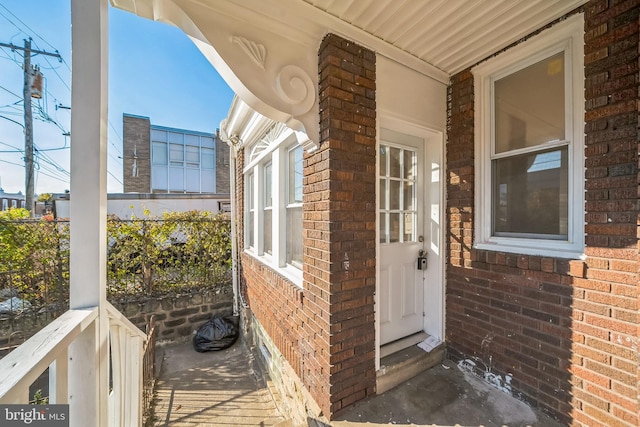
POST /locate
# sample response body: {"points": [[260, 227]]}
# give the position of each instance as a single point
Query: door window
{"points": [[397, 194]]}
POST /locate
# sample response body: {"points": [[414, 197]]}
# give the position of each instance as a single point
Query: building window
{"points": [[159, 154], [208, 158], [251, 211], [294, 207], [267, 208], [182, 162], [529, 144], [5, 204], [273, 183]]}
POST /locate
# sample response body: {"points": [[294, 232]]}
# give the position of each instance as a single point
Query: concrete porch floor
{"points": [[226, 388]]}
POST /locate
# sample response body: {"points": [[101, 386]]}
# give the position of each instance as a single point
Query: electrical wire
{"points": [[23, 23], [10, 146], [114, 177], [12, 93]]}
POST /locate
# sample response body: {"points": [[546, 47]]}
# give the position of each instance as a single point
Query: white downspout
{"points": [[234, 238]]}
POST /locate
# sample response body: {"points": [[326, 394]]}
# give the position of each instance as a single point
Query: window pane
{"points": [[294, 236], [530, 195], [250, 209], [383, 160], [394, 227], [158, 135], [192, 140], [409, 172], [205, 141], [383, 227], [529, 106], [193, 154], [250, 229], [409, 196], [176, 153], [159, 153], [394, 194], [207, 158], [394, 164], [295, 175], [383, 194], [268, 195], [267, 231], [177, 138]]}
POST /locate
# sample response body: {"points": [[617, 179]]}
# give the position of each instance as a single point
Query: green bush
{"points": [[174, 253]]}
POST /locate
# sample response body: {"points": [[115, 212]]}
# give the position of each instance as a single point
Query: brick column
{"points": [[339, 231]]}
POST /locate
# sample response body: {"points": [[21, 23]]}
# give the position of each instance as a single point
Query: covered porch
{"points": [[267, 51]]}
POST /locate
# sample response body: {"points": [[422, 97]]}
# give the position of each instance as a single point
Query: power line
{"points": [[12, 93], [114, 177], [9, 145], [23, 23], [11, 163]]}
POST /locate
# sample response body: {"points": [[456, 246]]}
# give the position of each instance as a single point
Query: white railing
{"points": [[127, 351], [49, 348]]}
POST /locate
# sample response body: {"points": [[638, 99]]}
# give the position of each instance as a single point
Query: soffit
{"points": [[448, 34]]}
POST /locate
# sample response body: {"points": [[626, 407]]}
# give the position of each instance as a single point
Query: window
{"points": [[529, 144], [294, 207], [159, 153], [273, 184], [251, 211], [193, 156], [267, 208], [207, 158], [397, 185], [176, 154]]}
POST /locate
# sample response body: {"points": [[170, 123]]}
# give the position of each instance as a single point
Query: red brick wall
{"points": [[566, 330], [326, 330]]}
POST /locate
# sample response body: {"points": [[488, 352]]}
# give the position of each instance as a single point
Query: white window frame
{"points": [[565, 36], [285, 192], [275, 154]]}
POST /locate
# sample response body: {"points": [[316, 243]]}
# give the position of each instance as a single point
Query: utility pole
{"points": [[28, 119]]}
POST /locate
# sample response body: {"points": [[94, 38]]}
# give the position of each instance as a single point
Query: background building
{"points": [[11, 200], [160, 159]]}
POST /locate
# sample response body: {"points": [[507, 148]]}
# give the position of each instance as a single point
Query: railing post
{"points": [[59, 378], [88, 355]]}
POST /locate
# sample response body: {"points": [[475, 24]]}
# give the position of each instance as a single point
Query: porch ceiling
{"points": [[266, 50], [448, 34]]}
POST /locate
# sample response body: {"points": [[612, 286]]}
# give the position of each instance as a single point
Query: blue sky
{"points": [[154, 71]]}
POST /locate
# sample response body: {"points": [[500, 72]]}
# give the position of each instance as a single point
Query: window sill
{"points": [[536, 248], [292, 274]]}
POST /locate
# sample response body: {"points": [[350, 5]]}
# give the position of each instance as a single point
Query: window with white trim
{"points": [[251, 212], [529, 115], [267, 208], [294, 207], [273, 184]]}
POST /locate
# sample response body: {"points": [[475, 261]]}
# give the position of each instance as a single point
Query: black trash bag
{"points": [[217, 334]]}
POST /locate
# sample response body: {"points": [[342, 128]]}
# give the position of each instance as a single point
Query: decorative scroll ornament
{"points": [[295, 86], [255, 51]]}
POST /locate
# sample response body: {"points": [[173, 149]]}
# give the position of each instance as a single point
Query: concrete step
{"points": [[404, 364]]}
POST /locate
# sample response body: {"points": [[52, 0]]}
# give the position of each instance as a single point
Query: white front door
{"points": [[401, 221]]}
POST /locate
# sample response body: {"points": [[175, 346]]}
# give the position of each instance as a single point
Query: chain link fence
{"points": [[176, 253]]}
